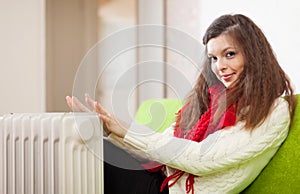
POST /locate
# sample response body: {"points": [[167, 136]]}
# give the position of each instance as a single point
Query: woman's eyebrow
{"points": [[223, 51]]}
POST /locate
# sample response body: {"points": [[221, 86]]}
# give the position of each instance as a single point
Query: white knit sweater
{"points": [[227, 161]]}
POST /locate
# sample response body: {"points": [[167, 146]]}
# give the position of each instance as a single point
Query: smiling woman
{"points": [[231, 124]]}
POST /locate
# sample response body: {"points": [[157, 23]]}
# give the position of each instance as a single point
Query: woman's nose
{"points": [[221, 65]]}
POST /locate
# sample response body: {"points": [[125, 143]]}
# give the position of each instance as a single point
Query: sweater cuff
{"points": [[137, 134]]}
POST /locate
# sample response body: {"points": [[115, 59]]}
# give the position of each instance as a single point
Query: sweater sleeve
{"points": [[133, 150], [221, 150]]}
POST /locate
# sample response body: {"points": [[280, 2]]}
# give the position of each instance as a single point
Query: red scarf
{"points": [[201, 130]]}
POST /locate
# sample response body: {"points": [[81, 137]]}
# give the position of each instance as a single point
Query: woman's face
{"points": [[227, 60]]}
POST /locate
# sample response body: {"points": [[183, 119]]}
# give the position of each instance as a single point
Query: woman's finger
{"points": [[78, 106], [95, 105], [99, 109], [69, 102], [89, 101], [105, 119]]}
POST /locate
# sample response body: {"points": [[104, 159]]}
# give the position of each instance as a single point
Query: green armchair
{"points": [[281, 175]]}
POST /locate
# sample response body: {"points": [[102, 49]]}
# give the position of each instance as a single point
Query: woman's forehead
{"points": [[220, 43]]}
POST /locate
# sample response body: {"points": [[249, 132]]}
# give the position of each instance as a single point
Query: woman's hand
{"points": [[111, 123]]}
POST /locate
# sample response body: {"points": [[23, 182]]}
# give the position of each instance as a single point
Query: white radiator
{"points": [[51, 153]]}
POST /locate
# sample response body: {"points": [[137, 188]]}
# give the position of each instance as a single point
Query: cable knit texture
{"points": [[227, 161]]}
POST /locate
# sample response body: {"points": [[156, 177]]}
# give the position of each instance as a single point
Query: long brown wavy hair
{"points": [[261, 82]]}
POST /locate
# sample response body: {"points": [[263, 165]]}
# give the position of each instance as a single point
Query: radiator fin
{"points": [[51, 153]]}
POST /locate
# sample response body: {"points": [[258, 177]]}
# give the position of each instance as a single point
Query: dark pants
{"points": [[123, 174]]}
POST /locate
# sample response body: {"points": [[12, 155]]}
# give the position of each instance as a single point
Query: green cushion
{"points": [[158, 114], [282, 175]]}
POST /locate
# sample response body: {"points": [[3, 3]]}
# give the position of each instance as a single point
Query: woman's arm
{"points": [[119, 142], [221, 150]]}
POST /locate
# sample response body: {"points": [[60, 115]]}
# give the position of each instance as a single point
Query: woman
{"points": [[233, 121]]}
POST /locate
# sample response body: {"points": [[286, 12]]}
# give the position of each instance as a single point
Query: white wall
{"points": [[22, 56], [33, 77], [117, 74], [279, 19], [71, 29], [183, 47], [150, 59]]}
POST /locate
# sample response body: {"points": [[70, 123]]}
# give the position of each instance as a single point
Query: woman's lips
{"points": [[227, 77]]}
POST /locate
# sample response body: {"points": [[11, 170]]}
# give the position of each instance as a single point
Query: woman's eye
{"points": [[230, 54], [213, 59]]}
